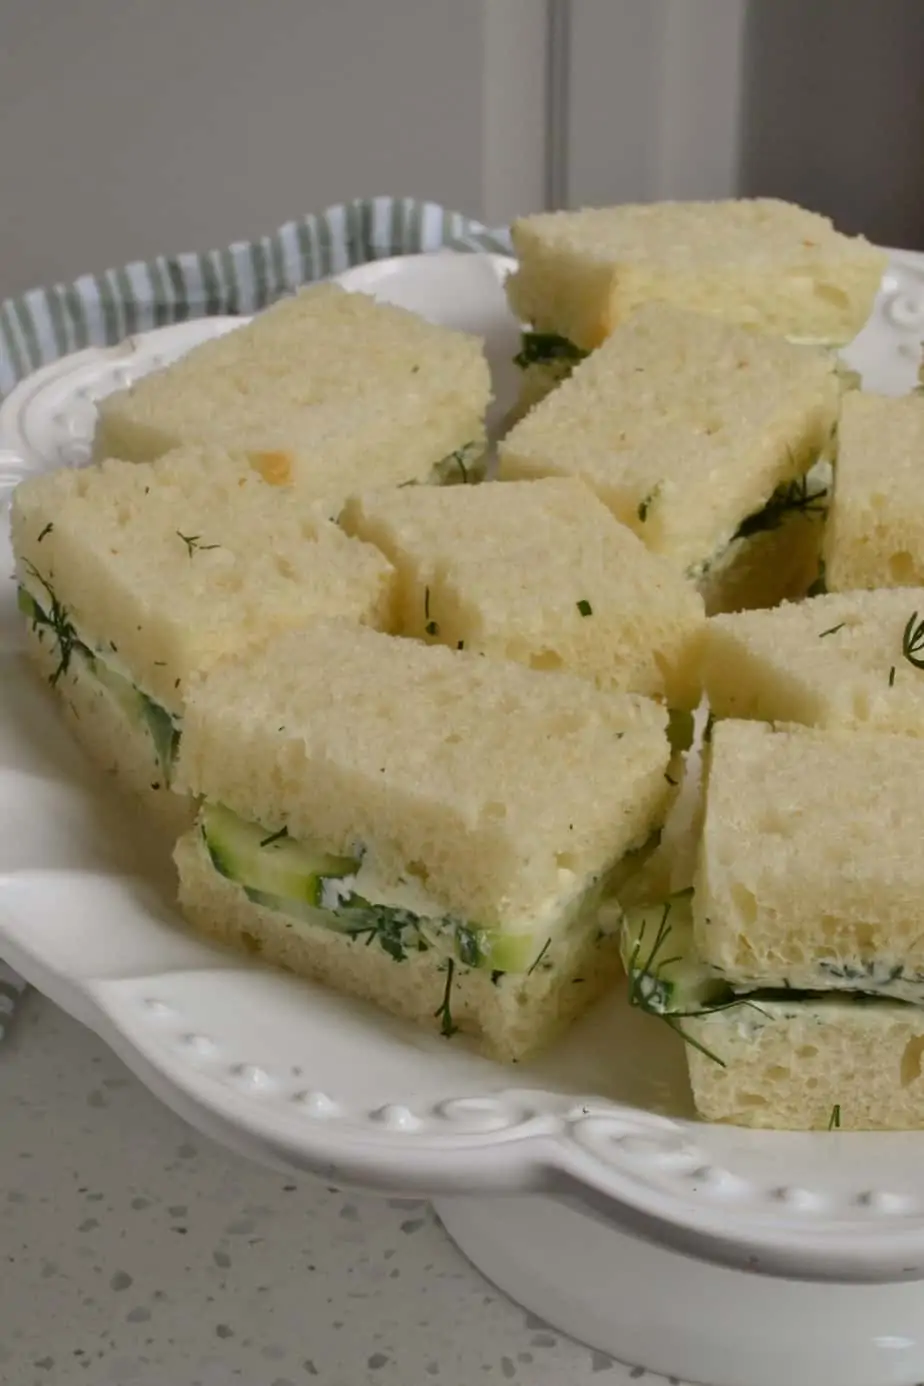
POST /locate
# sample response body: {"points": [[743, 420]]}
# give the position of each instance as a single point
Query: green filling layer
{"points": [[138, 707], [805, 495], [667, 978], [313, 887], [548, 349]]}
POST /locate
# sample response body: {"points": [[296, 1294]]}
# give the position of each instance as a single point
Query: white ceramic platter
{"points": [[294, 1075]]}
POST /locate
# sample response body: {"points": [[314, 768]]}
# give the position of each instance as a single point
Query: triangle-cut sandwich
{"points": [[851, 660], [760, 263], [327, 391], [794, 969], [538, 572], [702, 438], [419, 827], [133, 580]]}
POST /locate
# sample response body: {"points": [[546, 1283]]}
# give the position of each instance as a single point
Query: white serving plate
{"points": [[289, 1073]]}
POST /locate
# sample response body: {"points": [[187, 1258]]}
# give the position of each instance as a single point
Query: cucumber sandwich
{"points": [[418, 826], [759, 263], [538, 572], [849, 660], [795, 967], [133, 580], [702, 437], [326, 391]]}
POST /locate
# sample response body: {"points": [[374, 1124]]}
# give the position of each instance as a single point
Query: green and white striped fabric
{"points": [[101, 309]]}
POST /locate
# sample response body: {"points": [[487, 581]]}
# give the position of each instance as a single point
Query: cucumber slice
{"points": [[399, 932], [312, 887], [665, 974], [272, 864]]}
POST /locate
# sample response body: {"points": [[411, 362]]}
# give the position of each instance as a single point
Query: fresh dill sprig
{"points": [[892, 677], [457, 457], [538, 959], [793, 497], [47, 530], [443, 1012], [395, 931], [584, 607], [275, 837], [646, 987], [645, 504], [913, 641], [835, 1122], [57, 620], [832, 631], [430, 626], [194, 542]]}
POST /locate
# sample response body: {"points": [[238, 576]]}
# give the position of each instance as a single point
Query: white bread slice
{"points": [[762, 263], [684, 427], [143, 577], [810, 1065], [876, 521], [502, 790], [832, 661], [327, 389], [181, 563], [810, 871], [510, 1016], [538, 572]]}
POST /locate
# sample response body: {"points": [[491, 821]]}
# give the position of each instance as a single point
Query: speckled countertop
{"points": [[136, 1253]]}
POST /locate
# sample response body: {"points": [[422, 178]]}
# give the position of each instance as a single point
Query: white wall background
{"points": [[134, 127]]}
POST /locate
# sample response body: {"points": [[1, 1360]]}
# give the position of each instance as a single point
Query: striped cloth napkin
{"points": [[102, 309]]}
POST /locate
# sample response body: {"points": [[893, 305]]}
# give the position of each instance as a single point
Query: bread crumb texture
{"points": [[541, 573], [498, 787], [762, 263], [683, 425], [817, 880], [327, 390], [832, 661], [876, 521], [166, 568]]}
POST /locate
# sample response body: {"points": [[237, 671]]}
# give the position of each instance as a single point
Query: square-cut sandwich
{"points": [[541, 573], [795, 969], [875, 530], [701, 437], [327, 390], [133, 580], [420, 827], [851, 660], [761, 263]]}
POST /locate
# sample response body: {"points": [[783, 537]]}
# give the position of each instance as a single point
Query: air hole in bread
{"points": [[778, 1073], [751, 1099], [901, 568], [832, 293], [910, 1070], [418, 870], [565, 861], [495, 809], [861, 706], [806, 1051], [545, 659]]}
